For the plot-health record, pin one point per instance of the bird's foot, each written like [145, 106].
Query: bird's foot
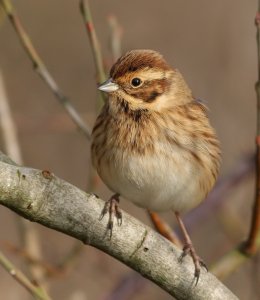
[189, 249]
[112, 208]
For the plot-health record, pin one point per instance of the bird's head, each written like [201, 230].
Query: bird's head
[144, 80]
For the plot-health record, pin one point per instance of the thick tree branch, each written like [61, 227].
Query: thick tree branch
[42, 197]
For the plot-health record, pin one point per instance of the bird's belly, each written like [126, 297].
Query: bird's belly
[154, 182]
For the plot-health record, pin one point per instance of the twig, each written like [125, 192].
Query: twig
[42, 197]
[250, 246]
[36, 291]
[59, 269]
[42, 70]
[49, 269]
[115, 37]
[100, 72]
[87, 17]
[8, 127]
[28, 236]
[28, 232]
[232, 261]
[94, 43]
[236, 257]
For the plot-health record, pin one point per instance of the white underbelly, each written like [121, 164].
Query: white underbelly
[155, 183]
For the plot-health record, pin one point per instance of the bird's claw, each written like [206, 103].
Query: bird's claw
[112, 207]
[198, 262]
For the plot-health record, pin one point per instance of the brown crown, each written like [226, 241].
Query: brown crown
[137, 60]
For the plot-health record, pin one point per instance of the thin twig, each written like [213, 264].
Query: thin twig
[232, 260]
[250, 246]
[100, 72]
[41, 68]
[36, 291]
[95, 46]
[115, 37]
[49, 269]
[29, 238]
[228, 263]
[8, 127]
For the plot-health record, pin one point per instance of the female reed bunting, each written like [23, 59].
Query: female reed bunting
[152, 142]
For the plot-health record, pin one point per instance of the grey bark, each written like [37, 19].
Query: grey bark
[46, 199]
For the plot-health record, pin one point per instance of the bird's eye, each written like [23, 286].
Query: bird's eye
[136, 82]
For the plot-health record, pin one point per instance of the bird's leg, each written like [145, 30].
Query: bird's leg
[189, 249]
[112, 207]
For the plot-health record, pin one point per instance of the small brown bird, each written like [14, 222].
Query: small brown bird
[152, 142]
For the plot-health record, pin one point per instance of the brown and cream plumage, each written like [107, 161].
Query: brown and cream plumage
[152, 142]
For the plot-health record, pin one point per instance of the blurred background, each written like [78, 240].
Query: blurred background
[213, 44]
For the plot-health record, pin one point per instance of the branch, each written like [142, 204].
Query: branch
[95, 46]
[41, 68]
[42, 197]
[29, 238]
[37, 292]
[115, 37]
[231, 261]
[251, 244]
[7, 125]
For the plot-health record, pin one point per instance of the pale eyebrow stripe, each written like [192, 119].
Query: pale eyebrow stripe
[150, 74]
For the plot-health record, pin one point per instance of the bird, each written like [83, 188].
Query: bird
[152, 142]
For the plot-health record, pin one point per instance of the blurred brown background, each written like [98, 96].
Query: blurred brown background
[211, 42]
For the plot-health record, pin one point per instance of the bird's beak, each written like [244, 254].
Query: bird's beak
[108, 86]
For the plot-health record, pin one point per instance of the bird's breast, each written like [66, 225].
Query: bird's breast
[147, 166]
